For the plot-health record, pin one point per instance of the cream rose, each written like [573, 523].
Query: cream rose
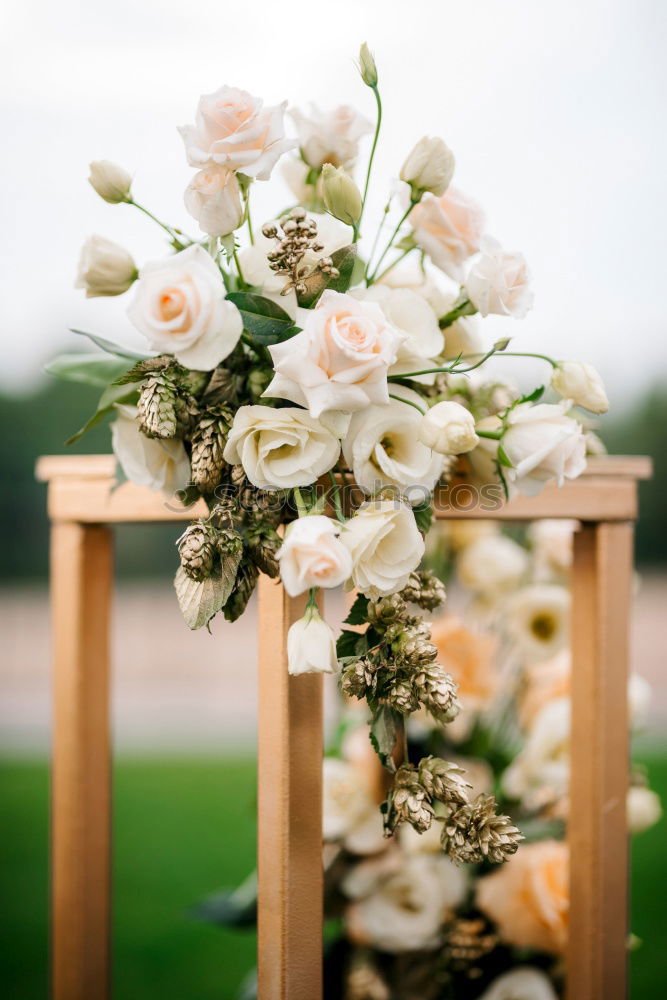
[551, 541]
[428, 167]
[179, 305]
[382, 447]
[581, 383]
[413, 318]
[233, 129]
[311, 645]
[543, 443]
[537, 618]
[341, 358]
[448, 429]
[161, 465]
[385, 544]
[213, 198]
[105, 268]
[492, 564]
[330, 136]
[349, 814]
[528, 898]
[280, 448]
[525, 983]
[449, 229]
[540, 773]
[499, 281]
[312, 555]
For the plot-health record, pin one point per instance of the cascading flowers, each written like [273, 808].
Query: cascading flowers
[313, 390]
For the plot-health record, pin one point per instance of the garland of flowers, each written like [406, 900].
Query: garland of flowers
[299, 377]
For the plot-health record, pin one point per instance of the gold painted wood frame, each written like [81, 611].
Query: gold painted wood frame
[83, 505]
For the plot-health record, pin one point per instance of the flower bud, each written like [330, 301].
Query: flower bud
[213, 198]
[341, 195]
[644, 808]
[311, 646]
[367, 67]
[448, 428]
[105, 268]
[429, 167]
[111, 182]
[581, 383]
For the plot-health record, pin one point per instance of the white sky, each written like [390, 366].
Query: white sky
[555, 112]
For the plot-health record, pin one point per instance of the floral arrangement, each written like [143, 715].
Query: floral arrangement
[315, 389]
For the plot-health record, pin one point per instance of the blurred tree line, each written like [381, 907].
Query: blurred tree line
[38, 423]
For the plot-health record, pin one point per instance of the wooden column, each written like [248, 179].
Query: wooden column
[81, 580]
[601, 586]
[289, 810]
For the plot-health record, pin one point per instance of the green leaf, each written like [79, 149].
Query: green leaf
[90, 369]
[384, 733]
[112, 394]
[423, 516]
[533, 396]
[201, 600]
[358, 611]
[265, 320]
[237, 908]
[351, 643]
[110, 347]
[344, 260]
[503, 457]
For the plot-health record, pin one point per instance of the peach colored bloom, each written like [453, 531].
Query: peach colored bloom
[470, 659]
[543, 682]
[449, 229]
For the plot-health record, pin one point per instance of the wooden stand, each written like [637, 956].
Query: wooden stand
[82, 505]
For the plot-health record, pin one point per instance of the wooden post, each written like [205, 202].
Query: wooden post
[597, 829]
[289, 810]
[81, 580]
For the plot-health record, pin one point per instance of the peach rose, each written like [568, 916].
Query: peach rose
[528, 898]
[330, 136]
[213, 198]
[449, 229]
[499, 281]
[470, 658]
[543, 682]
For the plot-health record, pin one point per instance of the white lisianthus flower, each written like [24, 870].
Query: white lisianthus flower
[448, 428]
[385, 544]
[311, 645]
[161, 465]
[179, 305]
[543, 443]
[499, 281]
[105, 268]
[411, 315]
[449, 229]
[331, 233]
[341, 358]
[233, 129]
[644, 808]
[330, 136]
[492, 564]
[551, 541]
[428, 167]
[280, 448]
[525, 983]
[111, 182]
[312, 555]
[383, 448]
[349, 814]
[341, 195]
[540, 773]
[538, 620]
[213, 198]
[581, 383]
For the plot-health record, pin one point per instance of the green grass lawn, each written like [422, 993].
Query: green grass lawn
[182, 829]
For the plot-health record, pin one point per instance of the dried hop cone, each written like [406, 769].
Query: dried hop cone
[437, 692]
[401, 696]
[443, 780]
[408, 802]
[417, 652]
[467, 942]
[198, 550]
[359, 678]
[476, 832]
[208, 443]
[246, 578]
[264, 543]
[425, 589]
[386, 610]
[157, 405]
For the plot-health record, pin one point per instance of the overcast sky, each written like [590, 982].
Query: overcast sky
[555, 112]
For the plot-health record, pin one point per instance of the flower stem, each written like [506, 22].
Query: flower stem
[378, 123]
[386, 250]
[163, 225]
[394, 263]
[453, 370]
[336, 498]
[376, 239]
[300, 502]
[409, 402]
[492, 435]
[246, 202]
[238, 266]
[464, 308]
[312, 598]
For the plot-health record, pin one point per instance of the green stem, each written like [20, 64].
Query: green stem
[312, 598]
[336, 498]
[378, 233]
[238, 266]
[528, 354]
[386, 250]
[378, 123]
[409, 403]
[246, 202]
[453, 370]
[163, 225]
[300, 502]
[213, 247]
[394, 263]
[492, 435]
[465, 308]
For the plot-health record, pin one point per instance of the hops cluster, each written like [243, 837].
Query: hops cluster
[358, 679]
[436, 690]
[299, 236]
[208, 444]
[467, 941]
[475, 832]
[408, 802]
[202, 546]
[425, 589]
[443, 780]
[156, 407]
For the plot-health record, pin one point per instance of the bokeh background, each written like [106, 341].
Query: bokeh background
[556, 115]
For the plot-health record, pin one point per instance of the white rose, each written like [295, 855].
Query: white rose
[411, 315]
[311, 645]
[213, 198]
[280, 448]
[521, 984]
[111, 182]
[491, 564]
[349, 813]
[449, 229]
[428, 167]
[543, 443]
[581, 383]
[180, 307]
[551, 540]
[330, 136]
[332, 234]
[448, 428]
[341, 358]
[161, 465]
[105, 268]
[538, 620]
[499, 281]
[644, 808]
[234, 130]
[382, 447]
[385, 544]
[312, 555]
[540, 773]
